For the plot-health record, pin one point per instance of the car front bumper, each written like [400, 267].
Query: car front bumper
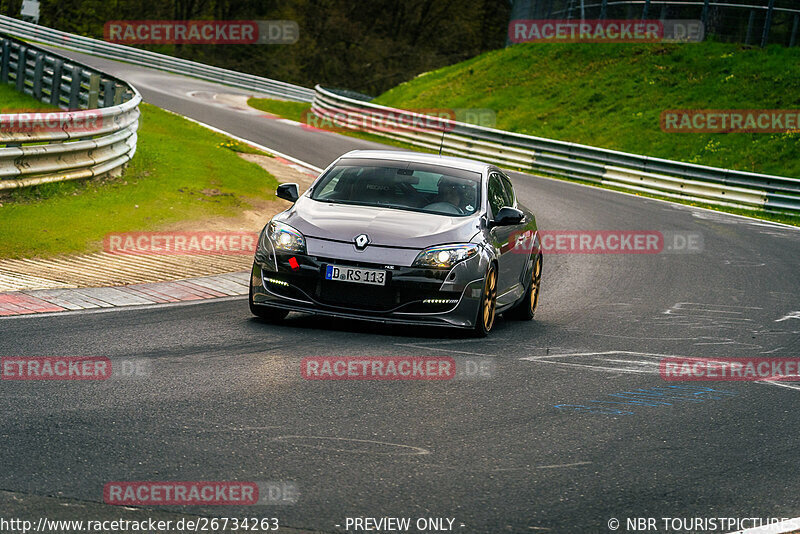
[412, 295]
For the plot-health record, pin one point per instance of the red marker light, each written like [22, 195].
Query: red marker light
[293, 263]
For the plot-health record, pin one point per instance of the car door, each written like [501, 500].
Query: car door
[507, 278]
[517, 261]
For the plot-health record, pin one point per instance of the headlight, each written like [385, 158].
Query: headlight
[445, 256]
[286, 238]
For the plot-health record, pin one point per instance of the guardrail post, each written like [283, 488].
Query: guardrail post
[750, 22]
[22, 63]
[55, 89]
[4, 61]
[75, 88]
[38, 71]
[704, 15]
[793, 38]
[645, 9]
[94, 91]
[767, 23]
[119, 92]
[108, 93]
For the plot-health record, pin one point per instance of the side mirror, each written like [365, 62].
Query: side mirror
[506, 217]
[288, 192]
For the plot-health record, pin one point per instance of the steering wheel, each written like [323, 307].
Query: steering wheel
[445, 207]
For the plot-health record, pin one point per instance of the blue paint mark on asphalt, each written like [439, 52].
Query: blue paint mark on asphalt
[651, 397]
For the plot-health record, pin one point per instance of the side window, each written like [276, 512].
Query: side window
[497, 195]
[512, 199]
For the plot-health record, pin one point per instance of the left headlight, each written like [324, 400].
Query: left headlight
[286, 238]
[445, 256]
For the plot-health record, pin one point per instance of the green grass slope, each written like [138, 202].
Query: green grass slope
[612, 95]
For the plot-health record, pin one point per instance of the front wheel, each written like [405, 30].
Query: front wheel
[486, 312]
[264, 312]
[527, 306]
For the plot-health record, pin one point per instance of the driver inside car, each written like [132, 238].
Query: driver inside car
[450, 192]
[455, 193]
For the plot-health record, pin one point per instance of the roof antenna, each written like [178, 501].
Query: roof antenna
[441, 143]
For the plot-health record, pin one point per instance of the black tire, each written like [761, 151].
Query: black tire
[524, 310]
[264, 312]
[487, 310]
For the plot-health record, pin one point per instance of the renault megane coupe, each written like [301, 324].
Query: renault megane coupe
[401, 237]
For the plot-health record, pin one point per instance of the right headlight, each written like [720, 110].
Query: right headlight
[445, 256]
[285, 238]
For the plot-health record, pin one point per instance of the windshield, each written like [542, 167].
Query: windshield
[400, 185]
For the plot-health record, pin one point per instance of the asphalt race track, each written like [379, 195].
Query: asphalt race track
[508, 450]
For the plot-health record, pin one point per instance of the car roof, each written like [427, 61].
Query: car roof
[417, 157]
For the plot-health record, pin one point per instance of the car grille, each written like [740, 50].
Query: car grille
[364, 297]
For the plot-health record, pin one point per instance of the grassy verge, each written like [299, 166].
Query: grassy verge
[612, 96]
[295, 111]
[181, 172]
[13, 102]
[237, 146]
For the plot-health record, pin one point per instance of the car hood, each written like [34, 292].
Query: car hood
[384, 226]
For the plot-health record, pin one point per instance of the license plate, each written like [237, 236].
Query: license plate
[356, 275]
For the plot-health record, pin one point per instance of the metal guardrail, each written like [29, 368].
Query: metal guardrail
[631, 172]
[153, 60]
[94, 137]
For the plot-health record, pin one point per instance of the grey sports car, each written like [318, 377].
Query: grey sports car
[401, 237]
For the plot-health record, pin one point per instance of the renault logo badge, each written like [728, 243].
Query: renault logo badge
[361, 241]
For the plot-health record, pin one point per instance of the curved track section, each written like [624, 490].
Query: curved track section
[509, 452]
